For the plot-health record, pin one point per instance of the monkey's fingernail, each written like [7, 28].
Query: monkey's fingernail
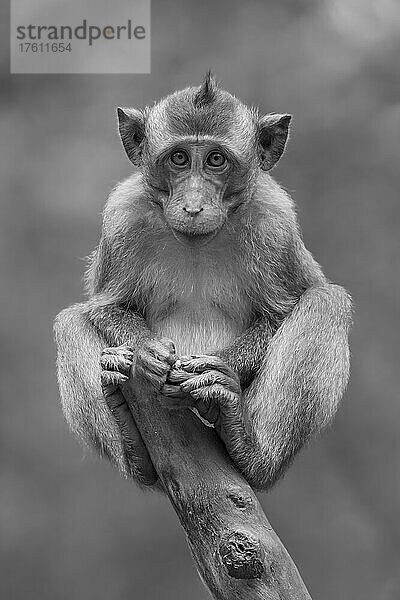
[169, 343]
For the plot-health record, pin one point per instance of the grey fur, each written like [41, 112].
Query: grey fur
[254, 285]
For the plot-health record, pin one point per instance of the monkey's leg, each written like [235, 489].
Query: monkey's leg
[79, 374]
[295, 393]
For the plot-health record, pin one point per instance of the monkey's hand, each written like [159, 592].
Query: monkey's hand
[154, 361]
[208, 384]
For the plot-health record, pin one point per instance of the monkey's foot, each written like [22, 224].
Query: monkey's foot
[154, 361]
[214, 388]
[115, 365]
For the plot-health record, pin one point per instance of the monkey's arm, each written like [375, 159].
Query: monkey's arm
[302, 376]
[116, 324]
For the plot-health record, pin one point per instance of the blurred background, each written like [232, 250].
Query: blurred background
[71, 528]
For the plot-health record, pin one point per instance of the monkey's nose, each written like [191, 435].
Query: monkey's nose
[192, 211]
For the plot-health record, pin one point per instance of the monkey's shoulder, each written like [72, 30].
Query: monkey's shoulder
[271, 204]
[126, 195]
[128, 206]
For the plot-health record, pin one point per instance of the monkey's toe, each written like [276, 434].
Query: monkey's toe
[203, 363]
[172, 396]
[136, 454]
[117, 359]
[215, 402]
[111, 380]
[125, 351]
[209, 378]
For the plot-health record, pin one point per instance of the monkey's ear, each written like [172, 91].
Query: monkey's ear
[273, 132]
[131, 125]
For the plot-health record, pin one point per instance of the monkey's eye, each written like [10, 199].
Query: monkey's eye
[216, 160]
[179, 158]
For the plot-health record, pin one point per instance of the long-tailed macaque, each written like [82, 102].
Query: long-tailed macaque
[201, 266]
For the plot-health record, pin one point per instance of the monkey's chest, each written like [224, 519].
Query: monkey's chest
[197, 301]
[197, 326]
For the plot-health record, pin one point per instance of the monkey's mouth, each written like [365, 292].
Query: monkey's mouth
[194, 237]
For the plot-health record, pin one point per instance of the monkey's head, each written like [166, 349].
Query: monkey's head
[201, 151]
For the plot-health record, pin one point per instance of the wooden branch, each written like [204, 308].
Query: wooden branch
[237, 553]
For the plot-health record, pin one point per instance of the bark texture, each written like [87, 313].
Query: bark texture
[236, 551]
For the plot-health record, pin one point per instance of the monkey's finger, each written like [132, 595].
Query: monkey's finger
[199, 364]
[209, 378]
[178, 375]
[135, 450]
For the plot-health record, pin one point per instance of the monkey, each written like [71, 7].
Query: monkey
[201, 269]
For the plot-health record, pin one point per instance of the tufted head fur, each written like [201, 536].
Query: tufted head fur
[202, 112]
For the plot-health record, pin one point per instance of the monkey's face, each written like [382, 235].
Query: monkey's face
[200, 151]
[201, 180]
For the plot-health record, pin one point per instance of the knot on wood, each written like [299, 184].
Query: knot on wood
[239, 499]
[242, 556]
